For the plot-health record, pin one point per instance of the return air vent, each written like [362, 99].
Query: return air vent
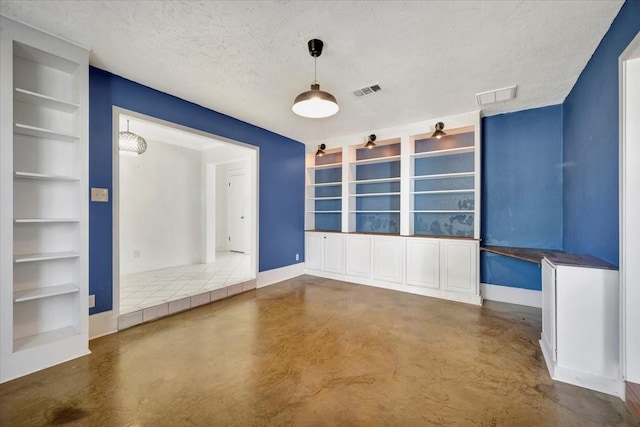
[497, 95]
[368, 90]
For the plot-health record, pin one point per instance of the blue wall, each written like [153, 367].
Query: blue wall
[521, 191]
[281, 191]
[591, 145]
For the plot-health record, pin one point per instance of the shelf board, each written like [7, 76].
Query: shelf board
[442, 211]
[471, 190]
[44, 58]
[41, 100]
[447, 152]
[376, 160]
[324, 198]
[43, 338]
[327, 166]
[375, 181]
[324, 212]
[390, 211]
[325, 184]
[43, 177]
[46, 292]
[44, 220]
[396, 193]
[43, 133]
[444, 175]
[45, 256]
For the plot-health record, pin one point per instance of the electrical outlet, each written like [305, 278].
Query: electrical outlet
[297, 257]
[92, 301]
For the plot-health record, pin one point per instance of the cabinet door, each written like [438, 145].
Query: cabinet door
[388, 258]
[333, 253]
[549, 307]
[358, 256]
[459, 266]
[423, 263]
[313, 251]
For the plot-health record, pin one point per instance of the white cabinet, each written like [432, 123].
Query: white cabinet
[358, 251]
[388, 258]
[44, 201]
[459, 272]
[324, 252]
[579, 337]
[423, 263]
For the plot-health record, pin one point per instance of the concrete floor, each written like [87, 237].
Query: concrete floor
[311, 351]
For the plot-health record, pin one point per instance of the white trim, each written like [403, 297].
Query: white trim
[511, 295]
[102, 324]
[269, 277]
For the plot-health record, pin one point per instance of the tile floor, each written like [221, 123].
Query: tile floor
[150, 288]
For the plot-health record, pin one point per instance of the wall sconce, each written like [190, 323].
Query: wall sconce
[370, 144]
[320, 151]
[439, 133]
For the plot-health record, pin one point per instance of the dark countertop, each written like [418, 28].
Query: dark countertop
[393, 235]
[555, 256]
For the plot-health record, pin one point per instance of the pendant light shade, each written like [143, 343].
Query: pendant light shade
[315, 103]
[131, 143]
[439, 133]
[370, 144]
[320, 151]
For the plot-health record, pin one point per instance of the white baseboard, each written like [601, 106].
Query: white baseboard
[101, 324]
[269, 277]
[511, 295]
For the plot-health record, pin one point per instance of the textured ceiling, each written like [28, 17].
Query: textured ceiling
[249, 59]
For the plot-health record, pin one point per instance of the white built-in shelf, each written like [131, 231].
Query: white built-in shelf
[327, 166]
[44, 220]
[324, 212]
[44, 256]
[325, 184]
[43, 133]
[46, 292]
[396, 193]
[443, 211]
[376, 211]
[41, 100]
[375, 181]
[45, 58]
[445, 175]
[447, 152]
[471, 190]
[324, 198]
[376, 160]
[43, 177]
[43, 338]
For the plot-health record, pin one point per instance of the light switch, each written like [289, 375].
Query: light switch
[99, 194]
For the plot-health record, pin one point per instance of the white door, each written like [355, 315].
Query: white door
[459, 264]
[313, 251]
[423, 262]
[333, 253]
[236, 200]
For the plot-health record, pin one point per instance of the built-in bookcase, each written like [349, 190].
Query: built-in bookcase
[43, 177]
[324, 192]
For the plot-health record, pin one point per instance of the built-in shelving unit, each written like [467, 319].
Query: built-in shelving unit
[44, 201]
[324, 191]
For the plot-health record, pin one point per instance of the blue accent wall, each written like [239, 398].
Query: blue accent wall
[590, 125]
[521, 191]
[281, 171]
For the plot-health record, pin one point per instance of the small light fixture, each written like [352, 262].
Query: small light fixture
[320, 151]
[130, 143]
[315, 103]
[370, 144]
[439, 133]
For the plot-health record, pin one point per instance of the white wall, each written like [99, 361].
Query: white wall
[160, 208]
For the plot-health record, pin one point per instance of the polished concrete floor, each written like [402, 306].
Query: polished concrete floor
[311, 351]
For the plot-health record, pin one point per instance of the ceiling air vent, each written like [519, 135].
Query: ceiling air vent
[368, 90]
[497, 95]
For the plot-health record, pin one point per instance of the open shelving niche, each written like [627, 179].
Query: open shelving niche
[45, 201]
[323, 205]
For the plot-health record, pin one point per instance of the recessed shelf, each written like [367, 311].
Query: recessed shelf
[41, 100]
[44, 256]
[324, 212]
[374, 181]
[44, 58]
[471, 190]
[388, 211]
[444, 175]
[388, 159]
[44, 220]
[324, 198]
[396, 193]
[443, 211]
[43, 177]
[447, 152]
[43, 338]
[327, 166]
[325, 184]
[46, 292]
[43, 133]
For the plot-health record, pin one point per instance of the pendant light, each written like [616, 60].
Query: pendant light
[439, 133]
[370, 144]
[131, 143]
[315, 103]
[320, 151]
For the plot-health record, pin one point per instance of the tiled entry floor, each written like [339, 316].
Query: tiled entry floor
[150, 288]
